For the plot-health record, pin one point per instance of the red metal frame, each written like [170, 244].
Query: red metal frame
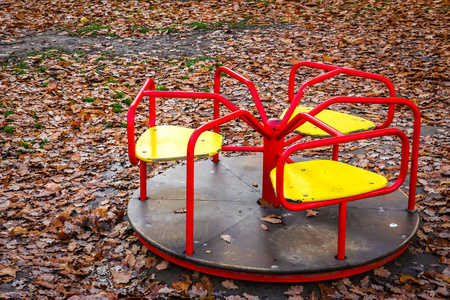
[339, 139]
[274, 132]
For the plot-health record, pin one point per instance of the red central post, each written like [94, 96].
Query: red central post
[273, 149]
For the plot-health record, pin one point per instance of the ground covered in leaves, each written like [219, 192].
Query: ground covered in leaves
[64, 175]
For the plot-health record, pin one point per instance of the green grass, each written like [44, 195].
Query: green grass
[140, 28]
[43, 142]
[45, 84]
[8, 113]
[8, 129]
[117, 108]
[123, 125]
[166, 29]
[127, 101]
[111, 80]
[88, 99]
[24, 145]
[161, 88]
[38, 126]
[41, 69]
[21, 65]
[92, 29]
[109, 125]
[119, 95]
[184, 77]
[49, 53]
[199, 25]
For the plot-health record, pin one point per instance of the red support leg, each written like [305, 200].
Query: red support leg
[143, 179]
[273, 149]
[335, 156]
[341, 230]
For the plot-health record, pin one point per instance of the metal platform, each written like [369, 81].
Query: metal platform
[298, 249]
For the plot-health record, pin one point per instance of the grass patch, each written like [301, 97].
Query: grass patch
[21, 65]
[109, 125]
[166, 30]
[127, 101]
[161, 88]
[8, 113]
[123, 125]
[92, 29]
[41, 69]
[199, 25]
[184, 77]
[38, 126]
[141, 29]
[119, 95]
[89, 99]
[50, 53]
[117, 108]
[43, 143]
[8, 129]
[24, 145]
[111, 80]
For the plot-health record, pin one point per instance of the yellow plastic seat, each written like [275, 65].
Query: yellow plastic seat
[342, 122]
[321, 180]
[163, 143]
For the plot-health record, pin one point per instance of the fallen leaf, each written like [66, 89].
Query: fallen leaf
[311, 213]
[120, 278]
[162, 265]
[264, 227]
[181, 285]
[381, 271]
[8, 271]
[226, 238]
[294, 290]
[180, 211]
[274, 219]
[229, 284]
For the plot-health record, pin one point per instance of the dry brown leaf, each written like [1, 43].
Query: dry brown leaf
[180, 210]
[226, 238]
[162, 265]
[294, 290]
[229, 284]
[264, 227]
[120, 278]
[274, 219]
[381, 271]
[8, 271]
[181, 285]
[311, 213]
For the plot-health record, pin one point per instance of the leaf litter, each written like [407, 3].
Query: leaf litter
[64, 176]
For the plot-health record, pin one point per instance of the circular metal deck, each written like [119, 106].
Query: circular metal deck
[298, 249]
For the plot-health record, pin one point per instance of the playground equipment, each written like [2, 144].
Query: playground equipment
[363, 221]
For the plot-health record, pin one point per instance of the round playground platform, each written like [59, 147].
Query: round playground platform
[229, 240]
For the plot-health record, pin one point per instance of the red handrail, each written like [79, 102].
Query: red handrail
[190, 172]
[248, 83]
[331, 69]
[339, 140]
[149, 84]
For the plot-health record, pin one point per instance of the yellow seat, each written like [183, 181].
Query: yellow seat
[342, 122]
[321, 180]
[163, 143]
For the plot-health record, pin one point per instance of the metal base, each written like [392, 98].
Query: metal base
[298, 249]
